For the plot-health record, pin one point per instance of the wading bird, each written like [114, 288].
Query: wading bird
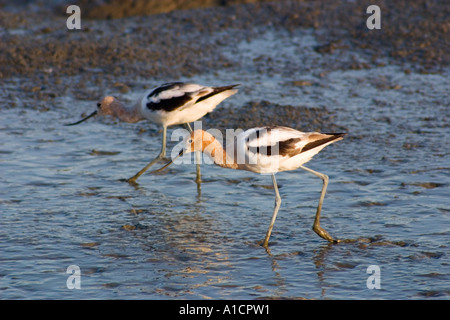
[169, 104]
[266, 150]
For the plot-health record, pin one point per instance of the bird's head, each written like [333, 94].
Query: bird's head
[105, 107]
[197, 140]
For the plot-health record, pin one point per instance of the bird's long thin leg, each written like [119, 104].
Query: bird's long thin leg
[316, 226]
[161, 155]
[275, 211]
[197, 158]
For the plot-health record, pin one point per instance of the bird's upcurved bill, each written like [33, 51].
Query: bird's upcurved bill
[82, 120]
[168, 164]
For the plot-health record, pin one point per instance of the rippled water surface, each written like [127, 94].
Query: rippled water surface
[63, 201]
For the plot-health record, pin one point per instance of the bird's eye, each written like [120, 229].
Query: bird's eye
[99, 105]
[190, 141]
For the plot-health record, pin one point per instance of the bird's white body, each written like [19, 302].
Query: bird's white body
[262, 150]
[190, 108]
[275, 149]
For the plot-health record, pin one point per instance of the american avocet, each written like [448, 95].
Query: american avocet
[169, 104]
[266, 150]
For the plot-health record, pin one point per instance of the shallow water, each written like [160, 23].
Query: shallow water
[63, 201]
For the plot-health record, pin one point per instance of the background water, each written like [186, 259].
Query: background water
[63, 201]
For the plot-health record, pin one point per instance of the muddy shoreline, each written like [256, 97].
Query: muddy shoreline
[119, 45]
[37, 39]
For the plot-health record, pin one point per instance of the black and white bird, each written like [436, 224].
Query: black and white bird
[169, 104]
[266, 150]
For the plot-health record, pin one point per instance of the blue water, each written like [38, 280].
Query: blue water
[63, 201]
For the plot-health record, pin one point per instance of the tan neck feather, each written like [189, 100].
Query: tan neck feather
[220, 157]
[130, 115]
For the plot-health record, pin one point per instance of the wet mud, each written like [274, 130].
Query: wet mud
[151, 41]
